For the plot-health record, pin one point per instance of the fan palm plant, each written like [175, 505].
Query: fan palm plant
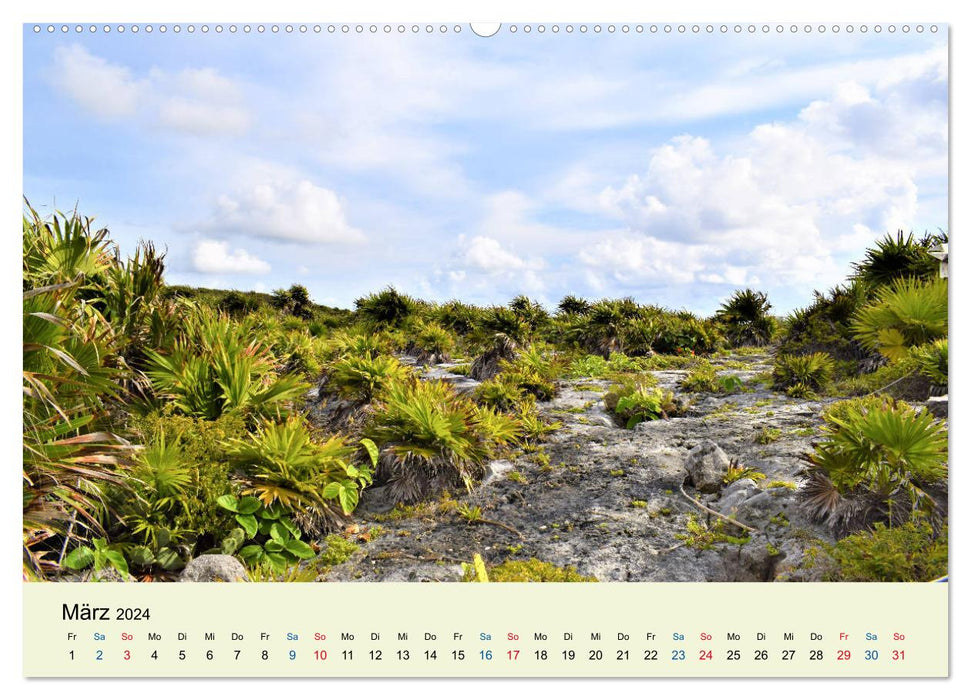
[318, 482]
[906, 314]
[64, 249]
[131, 300]
[897, 257]
[878, 458]
[385, 309]
[215, 368]
[68, 378]
[361, 378]
[931, 360]
[813, 371]
[573, 306]
[431, 438]
[745, 318]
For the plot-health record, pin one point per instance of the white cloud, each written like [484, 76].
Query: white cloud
[215, 257]
[487, 255]
[904, 115]
[483, 266]
[106, 90]
[783, 205]
[289, 210]
[196, 101]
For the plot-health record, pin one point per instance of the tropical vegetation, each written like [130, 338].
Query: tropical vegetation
[162, 422]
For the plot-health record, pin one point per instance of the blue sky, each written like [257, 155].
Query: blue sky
[671, 168]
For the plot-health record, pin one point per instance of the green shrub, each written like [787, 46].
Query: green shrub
[588, 366]
[160, 482]
[683, 335]
[497, 429]
[429, 343]
[534, 570]
[361, 377]
[214, 367]
[191, 518]
[801, 391]
[432, 439]
[500, 321]
[385, 309]
[457, 317]
[237, 305]
[898, 257]
[701, 378]
[533, 370]
[364, 345]
[294, 301]
[603, 328]
[532, 313]
[297, 352]
[71, 356]
[906, 314]
[317, 482]
[534, 428]
[907, 552]
[825, 326]
[814, 371]
[501, 392]
[745, 318]
[931, 361]
[634, 402]
[842, 411]
[571, 305]
[877, 460]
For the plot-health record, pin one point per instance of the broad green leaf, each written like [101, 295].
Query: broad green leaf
[249, 524]
[372, 451]
[228, 502]
[80, 558]
[233, 541]
[300, 549]
[272, 511]
[117, 560]
[168, 559]
[289, 525]
[248, 505]
[348, 499]
[273, 546]
[277, 560]
[331, 490]
[251, 553]
[279, 533]
[141, 556]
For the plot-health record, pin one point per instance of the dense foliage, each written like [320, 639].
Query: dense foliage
[163, 422]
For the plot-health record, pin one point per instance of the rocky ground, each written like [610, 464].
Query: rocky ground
[616, 504]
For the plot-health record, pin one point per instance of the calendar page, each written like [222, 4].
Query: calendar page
[460, 349]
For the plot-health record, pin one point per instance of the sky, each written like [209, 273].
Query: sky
[673, 168]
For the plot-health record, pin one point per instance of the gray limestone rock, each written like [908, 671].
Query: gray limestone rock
[213, 567]
[707, 465]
